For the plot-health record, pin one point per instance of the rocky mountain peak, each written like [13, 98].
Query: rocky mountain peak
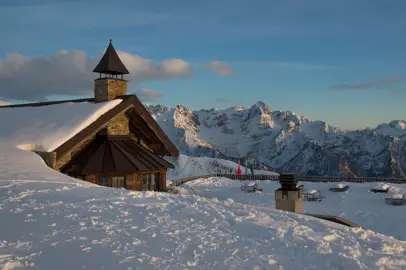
[286, 141]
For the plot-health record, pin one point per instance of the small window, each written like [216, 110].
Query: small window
[150, 182]
[112, 181]
[145, 182]
[118, 181]
[103, 181]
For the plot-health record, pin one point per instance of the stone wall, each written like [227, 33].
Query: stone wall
[108, 89]
[49, 158]
[119, 125]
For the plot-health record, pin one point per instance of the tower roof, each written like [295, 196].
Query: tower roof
[111, 63]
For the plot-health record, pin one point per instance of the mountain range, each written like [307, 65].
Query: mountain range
[285, 142]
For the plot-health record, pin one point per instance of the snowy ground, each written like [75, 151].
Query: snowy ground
[50, 221]
[356, 204]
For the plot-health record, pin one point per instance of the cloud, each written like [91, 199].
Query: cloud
[148, 94]
[301, 66]
[351, 86]
[391, 79]
[225, 100]
[399, 91]
[219, 68]
[383, 82]
[70, 73]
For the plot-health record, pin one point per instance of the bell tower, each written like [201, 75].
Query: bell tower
[109, 85]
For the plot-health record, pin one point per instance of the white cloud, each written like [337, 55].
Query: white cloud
[301, 66]
[225, 100]
[220, 68]
[70, 73]
[148, 94]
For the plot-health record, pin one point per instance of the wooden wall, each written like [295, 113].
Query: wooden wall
[134, 180]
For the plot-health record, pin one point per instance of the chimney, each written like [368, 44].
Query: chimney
[288, 197]
[110, 84]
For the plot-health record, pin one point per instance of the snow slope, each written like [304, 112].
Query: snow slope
[286, 142]
[50, 221]
[187, 166]
[45, 128]
[357, 204]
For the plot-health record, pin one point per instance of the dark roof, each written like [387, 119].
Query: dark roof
[114, 155]
[46, 103]
[111, 63]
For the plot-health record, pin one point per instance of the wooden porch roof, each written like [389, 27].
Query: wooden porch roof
[114, 155]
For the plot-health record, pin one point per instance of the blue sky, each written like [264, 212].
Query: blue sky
[338, 61]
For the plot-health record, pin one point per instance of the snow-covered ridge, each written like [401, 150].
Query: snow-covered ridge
[286, 141]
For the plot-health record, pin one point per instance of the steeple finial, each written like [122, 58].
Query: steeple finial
[111, 63]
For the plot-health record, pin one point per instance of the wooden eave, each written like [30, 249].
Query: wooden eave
[129, 102]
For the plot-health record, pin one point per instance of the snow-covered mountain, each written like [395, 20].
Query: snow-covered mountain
[285, 141]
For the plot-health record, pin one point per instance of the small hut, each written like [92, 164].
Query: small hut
[395, 199]
[341, 187]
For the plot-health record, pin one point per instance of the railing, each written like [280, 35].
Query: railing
[317, 179]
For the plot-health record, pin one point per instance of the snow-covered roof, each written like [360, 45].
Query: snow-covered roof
[396, 196]
[342, 185]
[45, 128]
[382, 186]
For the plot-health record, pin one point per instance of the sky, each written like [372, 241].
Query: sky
[343, 62]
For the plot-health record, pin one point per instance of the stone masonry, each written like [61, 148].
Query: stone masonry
[49, 158]
[119, 125]
[108, 89]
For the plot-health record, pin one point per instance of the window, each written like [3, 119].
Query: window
[150, 182]
[118, 182]
[103, 181]
[112, 181]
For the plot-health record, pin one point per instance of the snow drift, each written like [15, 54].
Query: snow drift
[50, 221]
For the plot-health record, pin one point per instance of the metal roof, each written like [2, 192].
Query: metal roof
[111, 63]
[114, 155]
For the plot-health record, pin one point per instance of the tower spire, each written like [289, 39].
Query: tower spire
[111, 63]
[110, 87]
